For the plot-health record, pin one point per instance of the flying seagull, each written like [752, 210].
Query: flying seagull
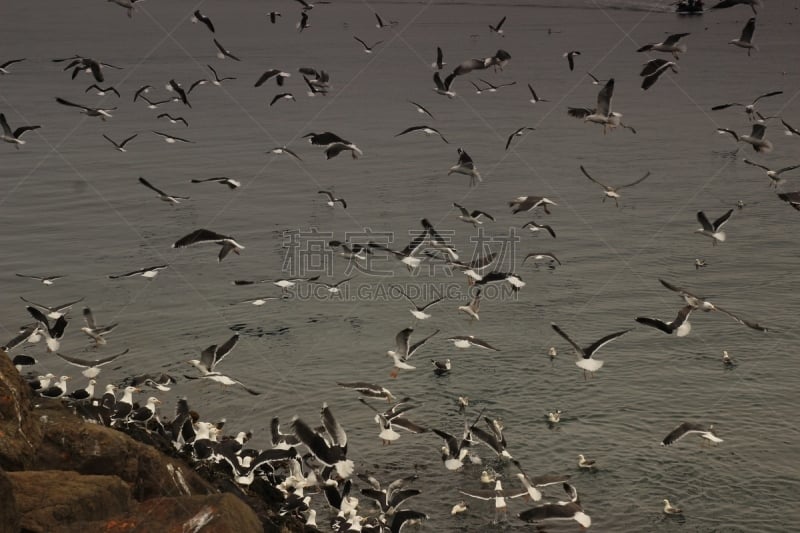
[518, 133]
[230, 183]
[172, 200]
[405, 350]
[698, 302]
[172, 119]
[571, 58]
[46, 280]
[586, 362]
[773, 175]
[534, 98]
[103, 113]
[102, 91]
[223, 52]
[172, 139]
[95, 332]
[444, 87]
[147, 272]
[654, 69]
[792, 198]
[282, 96]
[472, 217]
[367, 48]
[746, 39]
[498, 28]
[201, 236]
[755, 139]
[120, 146]
[427, 130]
[713, 230]
[13, 137]
[611, 192]
[601, 114]
[687, 428]
[174, 86]
[284, 150]
[467, 167]
[199, 17]
[439, 63]
[4, 66]
[332, 199]
[383, 25]
[421, 109]
[730, 3]
[670, 45]
[680, 325]
[528, 203]
[535, 226]
[278, 74]
[748, 108]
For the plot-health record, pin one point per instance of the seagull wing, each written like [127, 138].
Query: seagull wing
[674, 38]
[66, 102]
[747, 31]
[401, 342]
[603, 185]
[763, 167]
[681, 431]
[733, 133]
[150, 186]
[89, 318]
[223, 350]
[561, 332]
[701, 217]
[635, 182]
[773, 93]
[362, 42]
[87, 363]
[595, 346]
[722, 220]
[655, 323]
[604, 97]
[198, 236]
[417, 345]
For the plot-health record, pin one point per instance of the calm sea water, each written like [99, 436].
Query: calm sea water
[71, 206]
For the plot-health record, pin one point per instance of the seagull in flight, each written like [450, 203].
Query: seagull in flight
[601, 114]
[746, 38]
[199, 17]
[223, 52]
[670, 45]
[571, 58]
[421, 109]
[201, 236]
[103, 113]
[427, 130]
[405, 350]
[518, 133]
[755, 139]
[472, 217]
[102, 91]
[773, 175]
[730, 3]
[680, 325]
[278, 74]
[332, 199]
[172, 139]
[698, 302]
[172, 200]
[611, 192]
[653, 70]
[467, 167]
[439, 63]
[498, 28]
[367, 48]
[444, 88]
[4, 66]
[748, 108]
[173, 120]
[13, 137]
[534, 98]
[230, 183]
[713, 230]
[383, 25]
[46, 280]
[586, 362]
[120, 146]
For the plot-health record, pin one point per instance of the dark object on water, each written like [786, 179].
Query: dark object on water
[689, 7]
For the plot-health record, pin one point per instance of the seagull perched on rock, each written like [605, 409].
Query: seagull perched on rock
[201, 236]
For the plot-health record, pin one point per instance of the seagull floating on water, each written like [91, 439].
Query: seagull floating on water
[199, 17]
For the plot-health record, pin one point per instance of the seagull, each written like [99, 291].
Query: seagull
[671, 509]
[283, 150]
[686, 428]
[465, 341]
[369, 390]
[473, 307]
[283, 283]
[534, 98]
[517, 133]
[390, 418]
[101, 91]
[773, 175]
[405, 350]
[351, 251]
[172, 139]
[427, 130]
[498, 494]
[713, 230]
[273, 16]
[583, 462]
[334, 149]
[383, 25]
[538, 256]
[278, 74]
[460, 507]
[439, 63]
[789, 129]
[141, 90]
[595, 80]
[223, 53]
[57, 390]
[13, 137]
[532, 484]
[46, 280]
[56, 311]
[4, 66]
[467, 167]
[30, 333]
[103, 113]
[201, 236]
[213, 355]
[230, 183]
[670, 44]
[746, 39]
[303, 24]
[534, 227]
[602, 114]
[52, 335]
[756, 138]
[172, 200]
[419, 311]
[498, 277]
[699, 263]
[217, 80]
[570, 510]
[91, 367]
[611, 192]
[680, 326]
[86, 393]
[421, 109]
[152, 105]
[174, 86]
[748, 108]
[331, 451]
[367, 48]
[199, 17]
[147, 272]
[490, 87]
[333, 288]
[130, 5]
[472, 217]
[654, 69]
[406, 255]
[571, 58]
[704, 305]
[444, 88]
[332, 199]
[441, 368]
[95, 332]
[792, 198]
[730, 3]
[119, 146]
[528, 203]
[498, 29]
[587, 362]
[282, 96]
[727, 360]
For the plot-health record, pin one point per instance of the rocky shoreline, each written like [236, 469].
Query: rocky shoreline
[59, 473]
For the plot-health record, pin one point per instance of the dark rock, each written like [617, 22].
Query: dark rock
[15, 421]
[9, 514]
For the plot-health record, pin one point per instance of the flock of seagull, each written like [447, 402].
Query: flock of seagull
[313, 459]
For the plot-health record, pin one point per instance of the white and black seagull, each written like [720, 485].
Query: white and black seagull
[569, 510]
[46, 280]
[498, 28]
[713, 230]
[654, 69]
[687, 428]
[750, 108]
[669, 45]
[472, 217]
[517, 133]
[170, 199]
[611, 192]
[405, 350]
[13, 137]
[587, 362]
[419, 311]
[120, 146]
[201, 236]
[6, 64]
[773, 175]
[223, 52]
[222, 180]
[534, 97]
[444, 87]
[680, 325]
[199, 17]
[602, 114]
[745, 40]
[466, 166]
[521, 204]
[367, 48]
[103, 113]
[427, 130]
[52, 334]
[91, 367]
[330, 449]
[698, 302]
[172, 139]
[147, 272]
[332, 200]
[755, 139]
